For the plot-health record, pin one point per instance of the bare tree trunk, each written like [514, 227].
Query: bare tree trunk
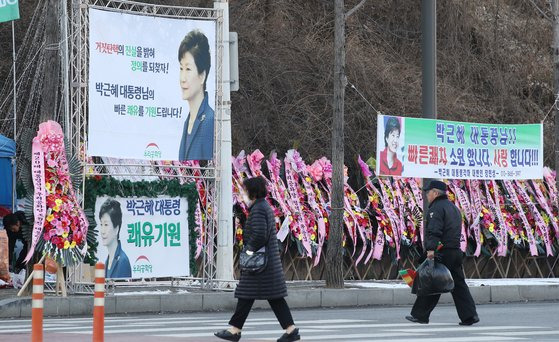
[52, 54]
[334, 257]
[555, 8]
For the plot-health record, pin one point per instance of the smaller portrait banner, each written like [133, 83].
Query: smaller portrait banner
[142, 237]
[430, 148]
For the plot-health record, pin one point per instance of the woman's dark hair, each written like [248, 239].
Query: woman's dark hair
[392, 124]
[255, 187]
[196, 43]
[112, 208]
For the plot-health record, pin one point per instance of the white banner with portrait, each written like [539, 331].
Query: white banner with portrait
[152, 86]
[142, 237]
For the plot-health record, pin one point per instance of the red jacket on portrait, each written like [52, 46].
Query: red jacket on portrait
[395, 170]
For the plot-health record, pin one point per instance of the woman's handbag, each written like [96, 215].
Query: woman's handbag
[257, 261]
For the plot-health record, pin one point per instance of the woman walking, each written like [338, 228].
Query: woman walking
[269, 284]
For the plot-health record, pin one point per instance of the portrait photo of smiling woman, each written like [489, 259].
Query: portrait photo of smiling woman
[390, 165]
[198, 132]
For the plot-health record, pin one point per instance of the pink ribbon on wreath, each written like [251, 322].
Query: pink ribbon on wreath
[411, 203]
[277, 187]
[401, 206]
[198, 229]
[394, 220]
[545, 205]
[379, 239]
[321, 231]
[463, 236]
[474, 192]
[296, 207]
[494, 205]
[502, 249]
[549, 177]
[537, 217]
[40, 202]
[358, 228]
[516, 201]
[416, 191]
[254, 161]
[298, 165]
[369, 186]
[463, 200]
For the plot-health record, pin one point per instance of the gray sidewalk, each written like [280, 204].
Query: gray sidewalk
[301, 295]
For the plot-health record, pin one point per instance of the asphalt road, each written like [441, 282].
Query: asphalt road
[503, 322]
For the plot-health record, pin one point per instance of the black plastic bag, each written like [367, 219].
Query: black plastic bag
[432, 278]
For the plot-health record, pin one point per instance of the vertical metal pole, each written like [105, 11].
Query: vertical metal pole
[15, 117]
[429, 56]
[65, 72]
[429, 61]
[224, 268]
[555, 9]
[14, 66]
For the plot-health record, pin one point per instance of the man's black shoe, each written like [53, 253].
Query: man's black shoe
[470, 321]
[294, 336]
[227, 335]
[416, 320]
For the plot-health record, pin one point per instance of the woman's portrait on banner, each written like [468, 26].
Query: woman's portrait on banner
[390, 163]
[117, 264]
[198, 132]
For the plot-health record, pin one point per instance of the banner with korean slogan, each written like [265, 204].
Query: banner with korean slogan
[152, 87]
[9, 10]
[142, 237]
[430, 148]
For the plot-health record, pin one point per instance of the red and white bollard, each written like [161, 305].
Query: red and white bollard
[37, 304]
[99, 304]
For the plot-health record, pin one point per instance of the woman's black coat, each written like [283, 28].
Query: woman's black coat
[270, 283]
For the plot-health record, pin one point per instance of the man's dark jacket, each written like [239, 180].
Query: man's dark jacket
[444, 224]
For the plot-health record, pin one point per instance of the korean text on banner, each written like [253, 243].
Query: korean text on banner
[152, 87]
[9, 10]
[142, 237]
[428, 148]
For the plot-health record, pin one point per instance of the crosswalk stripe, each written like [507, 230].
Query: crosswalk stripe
[477, 328]
[522, 333]
[276, 333]
[445, 339]
[345, 337]
[209, 329]
[375, 325]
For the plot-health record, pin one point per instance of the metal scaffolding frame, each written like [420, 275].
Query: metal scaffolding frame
[77, 130]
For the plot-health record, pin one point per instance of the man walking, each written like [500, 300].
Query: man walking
[444, 224]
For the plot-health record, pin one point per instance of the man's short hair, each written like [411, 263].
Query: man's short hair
[10, 220]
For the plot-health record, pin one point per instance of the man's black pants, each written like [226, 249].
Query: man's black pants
[465, 306]
[279, 306]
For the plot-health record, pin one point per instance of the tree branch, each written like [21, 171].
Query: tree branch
[351, 11]
[541, 11]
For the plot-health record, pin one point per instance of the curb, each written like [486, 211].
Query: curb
[297, 298]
